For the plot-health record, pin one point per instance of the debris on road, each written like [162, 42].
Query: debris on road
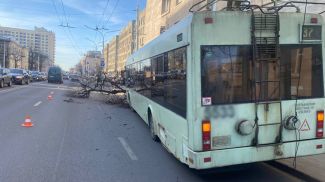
[68, 100]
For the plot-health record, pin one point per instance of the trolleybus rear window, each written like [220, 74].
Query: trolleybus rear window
[228, 77]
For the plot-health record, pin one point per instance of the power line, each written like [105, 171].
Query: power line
[56, 11]
[65, 16]
[100, 20]
[69, 27]
[113, 11]
[104, 11]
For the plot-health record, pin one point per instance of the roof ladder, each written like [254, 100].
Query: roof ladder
[265, 29]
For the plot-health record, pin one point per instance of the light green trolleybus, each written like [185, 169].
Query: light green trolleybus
[233, 87]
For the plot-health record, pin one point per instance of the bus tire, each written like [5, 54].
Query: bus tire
[152, 128]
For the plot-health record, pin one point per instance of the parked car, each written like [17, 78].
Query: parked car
[54, 75]
[43, 76]
[36, 76]
[5, 77]
[20, 76]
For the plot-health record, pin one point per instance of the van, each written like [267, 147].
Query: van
[55, 75]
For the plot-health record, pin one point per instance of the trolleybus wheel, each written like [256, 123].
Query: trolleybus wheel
[152, 129]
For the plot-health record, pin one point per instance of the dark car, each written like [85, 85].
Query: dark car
[20, 76]
[5, 77]
[54, 75]
[36, 76]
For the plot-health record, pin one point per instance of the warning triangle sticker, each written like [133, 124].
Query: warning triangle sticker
[304, 126]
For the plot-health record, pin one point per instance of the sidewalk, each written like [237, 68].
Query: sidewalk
[313, 166]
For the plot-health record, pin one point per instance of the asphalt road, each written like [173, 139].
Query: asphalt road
[88, 140]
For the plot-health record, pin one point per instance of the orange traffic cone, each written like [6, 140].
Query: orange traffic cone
[49, 97]
[28, 122]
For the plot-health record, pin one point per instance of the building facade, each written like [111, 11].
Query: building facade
[113, 55]
[141, 34]
[153, 20]
[161, 15]
[126, 44]
[12, 55]
[39, 40]
[106, 51]
[90, 63]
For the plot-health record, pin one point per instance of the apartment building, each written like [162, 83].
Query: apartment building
[113, 54]
[153, 20]
[141, 34]
[91, 63]
[39, 39]
[126, 44]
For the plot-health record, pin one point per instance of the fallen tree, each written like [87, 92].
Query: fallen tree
[100, 84]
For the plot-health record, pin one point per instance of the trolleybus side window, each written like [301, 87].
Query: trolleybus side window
[169, 80]
[162, 78]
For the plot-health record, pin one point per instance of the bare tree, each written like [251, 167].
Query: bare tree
[101, 83]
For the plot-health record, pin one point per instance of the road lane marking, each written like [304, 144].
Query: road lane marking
[37, 103]
[58, 157]
[127, 149]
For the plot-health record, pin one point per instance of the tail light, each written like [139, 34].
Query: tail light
[206, 135]
[320, 124]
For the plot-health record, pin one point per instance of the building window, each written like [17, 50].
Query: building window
[165, 6]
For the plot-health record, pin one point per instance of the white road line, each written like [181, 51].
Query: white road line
[37, 103]
[58, 157]
[128, 149]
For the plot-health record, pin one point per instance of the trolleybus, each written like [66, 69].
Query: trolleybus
[233, 87]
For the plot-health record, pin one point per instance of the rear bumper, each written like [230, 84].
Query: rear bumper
[17, 80]
[227, 157]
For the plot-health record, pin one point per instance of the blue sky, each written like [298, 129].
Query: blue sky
[71, 43]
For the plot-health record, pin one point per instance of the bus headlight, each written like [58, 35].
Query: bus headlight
[245, 127]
